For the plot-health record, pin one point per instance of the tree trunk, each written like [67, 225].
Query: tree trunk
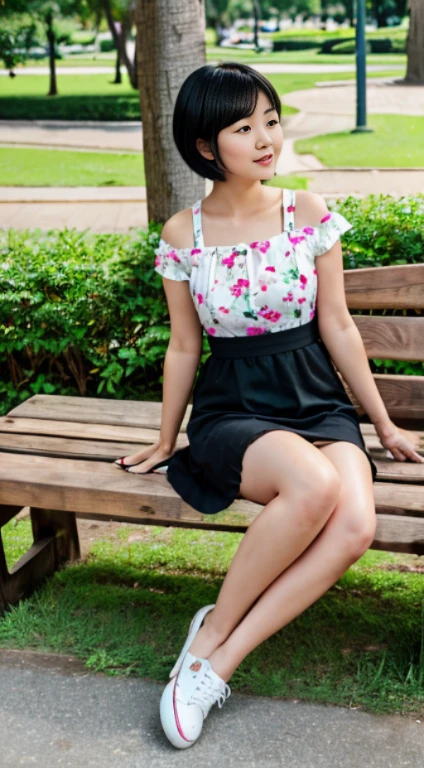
[415, 43]
[52, 53]
[120, 32]
[170, 45]
[118, 78]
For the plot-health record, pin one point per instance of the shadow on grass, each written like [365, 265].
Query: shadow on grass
[127, 609]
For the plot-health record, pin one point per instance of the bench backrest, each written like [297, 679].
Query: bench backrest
[394, 337]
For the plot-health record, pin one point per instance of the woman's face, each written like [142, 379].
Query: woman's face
[249, 139]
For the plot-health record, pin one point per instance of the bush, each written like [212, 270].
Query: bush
[107, 45]
[89, 107]
[86, 314]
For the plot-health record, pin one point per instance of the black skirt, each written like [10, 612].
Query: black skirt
[251, 385]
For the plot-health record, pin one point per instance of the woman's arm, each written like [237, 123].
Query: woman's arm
[181, 359]
[179, 371]
[344, 343]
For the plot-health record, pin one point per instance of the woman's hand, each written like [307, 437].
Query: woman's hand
[147, 458]
[401, 443]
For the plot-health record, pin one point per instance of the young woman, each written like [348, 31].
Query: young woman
[260, 269]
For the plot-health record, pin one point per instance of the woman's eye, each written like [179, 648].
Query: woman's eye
[248, 126]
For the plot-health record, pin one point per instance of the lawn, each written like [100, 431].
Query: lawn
[395, 143]
[68, 168]
[22, 167]
[125, 610]
[95, 97]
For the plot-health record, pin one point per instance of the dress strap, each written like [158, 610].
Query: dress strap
[289, 202]
[197, 224]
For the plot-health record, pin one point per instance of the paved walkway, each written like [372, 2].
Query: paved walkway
[54, 712]
[226, 53]
[118, 209]
[328, 108]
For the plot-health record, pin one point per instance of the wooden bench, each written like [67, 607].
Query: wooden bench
[57, 452]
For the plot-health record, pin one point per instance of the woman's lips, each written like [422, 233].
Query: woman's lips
[265, 160]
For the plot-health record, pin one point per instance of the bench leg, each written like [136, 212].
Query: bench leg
[56, 542]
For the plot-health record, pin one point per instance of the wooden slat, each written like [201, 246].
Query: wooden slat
[84, 410]
[88, 486]
[392, 338]
[100, 450]
[399, 534]
[396, 287]
[82, 431]
[403, 396]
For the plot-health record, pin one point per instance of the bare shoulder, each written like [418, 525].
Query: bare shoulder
[311, 207]
[178, 229]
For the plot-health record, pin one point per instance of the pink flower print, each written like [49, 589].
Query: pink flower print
[289, 297]
[197, 209]
[158, 260]
[312, 314]
[296, 240]
[236, 290]
[300, 301]
[269, 314]
[269, 269]
[303, 280]
[211, 331]
[314, 272]
[216, 281]
[194, 259]
[308, 230]
[287, 253]
[229, 260]
[173, 255]
[195, 251]
[254, 331]
[291, 208]
[200, 298]
[224, 309]
[328, 216]
[262, 245]
[264, 287]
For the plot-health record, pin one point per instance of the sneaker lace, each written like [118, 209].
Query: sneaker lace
[208, 693]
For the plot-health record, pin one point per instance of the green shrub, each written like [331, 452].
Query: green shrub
[78, 107]
[107, 45]
[86, 314]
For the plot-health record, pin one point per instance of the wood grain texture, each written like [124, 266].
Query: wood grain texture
[395, 287]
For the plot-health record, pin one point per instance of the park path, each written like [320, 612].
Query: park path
[328, 108]
[54, 712]
[312, 69]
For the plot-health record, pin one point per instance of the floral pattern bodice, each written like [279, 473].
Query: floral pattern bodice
[253, 288]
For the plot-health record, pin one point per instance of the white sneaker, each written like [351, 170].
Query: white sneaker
[188, 698]
[195, 625]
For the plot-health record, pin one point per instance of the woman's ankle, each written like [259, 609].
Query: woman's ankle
[222, 664]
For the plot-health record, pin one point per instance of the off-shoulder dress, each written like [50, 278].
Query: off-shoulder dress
[268, 369]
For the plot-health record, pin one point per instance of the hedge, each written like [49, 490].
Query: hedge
[86, 314]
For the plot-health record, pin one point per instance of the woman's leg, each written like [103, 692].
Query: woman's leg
[343, 540]
[300, 488]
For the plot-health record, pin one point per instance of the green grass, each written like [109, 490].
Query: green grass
[126, 610]
[22, 167]
[395, 142]
[310, 56]
[95, 97]
[68, 168]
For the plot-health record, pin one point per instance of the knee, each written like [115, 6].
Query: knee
[359, 533]
[319, 494]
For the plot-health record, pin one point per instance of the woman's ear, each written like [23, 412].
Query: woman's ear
[203, 147]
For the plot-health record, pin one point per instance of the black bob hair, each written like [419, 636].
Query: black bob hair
[210, 99]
